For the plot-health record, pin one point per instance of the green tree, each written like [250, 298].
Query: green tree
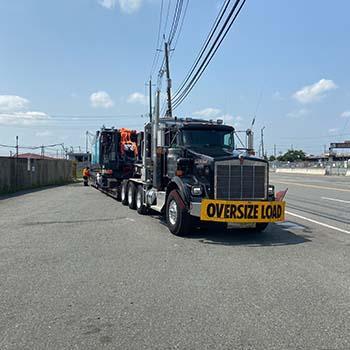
[272, 158]
[292, 156]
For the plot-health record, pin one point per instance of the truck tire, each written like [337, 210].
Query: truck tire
[132, 195]
[124, 193]
[177, 217]
[260, 227]
[140, 207]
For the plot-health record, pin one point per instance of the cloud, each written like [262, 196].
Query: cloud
[12, 103]
[14, 111]
[298, 113]
[23, 118]
[43, 133]
[101, 99]
[208, 112]
[235, 121]
[137, 97]
[108, 4]
[314, 92]
[345, 114]
[333, 130]
[126, 6]
[130, 6]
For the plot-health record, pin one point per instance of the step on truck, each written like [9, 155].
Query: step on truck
[114, 155]
[193, 173]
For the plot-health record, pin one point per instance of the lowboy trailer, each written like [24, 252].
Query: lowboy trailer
[114, 154]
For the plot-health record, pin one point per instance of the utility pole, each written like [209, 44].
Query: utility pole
[16, 177]
[262, 142]
[42, 151]
[17, 147]
[87, 140]
[169, 112]
[150, 99]
[274, 151]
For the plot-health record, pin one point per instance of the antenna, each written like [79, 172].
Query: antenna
[253, 122]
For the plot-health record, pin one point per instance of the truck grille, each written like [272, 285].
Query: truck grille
[234, 181]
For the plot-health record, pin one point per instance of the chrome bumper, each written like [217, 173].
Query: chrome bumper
[195, 209]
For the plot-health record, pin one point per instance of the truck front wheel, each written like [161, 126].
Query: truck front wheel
[177, 217]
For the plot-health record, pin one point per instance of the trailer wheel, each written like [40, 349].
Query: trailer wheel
[177, 216]
[260, 227]
[123, 194]
[132, 195]
[140, 207]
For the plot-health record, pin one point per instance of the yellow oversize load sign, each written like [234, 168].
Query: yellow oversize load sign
[242, 211]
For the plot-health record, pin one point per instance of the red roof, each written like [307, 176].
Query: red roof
[33, 156]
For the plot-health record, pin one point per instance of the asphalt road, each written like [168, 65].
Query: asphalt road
[324, 199]
[80, 271]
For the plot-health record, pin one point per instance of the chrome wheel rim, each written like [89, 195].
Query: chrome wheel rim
[130, 195]
[138, 199]
[123, 192]
[172, 212]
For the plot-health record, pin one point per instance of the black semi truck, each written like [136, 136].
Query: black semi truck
[192, 172]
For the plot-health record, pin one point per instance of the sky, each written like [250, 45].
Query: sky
[70, 66]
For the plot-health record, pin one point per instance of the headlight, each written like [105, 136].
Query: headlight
[196, 190]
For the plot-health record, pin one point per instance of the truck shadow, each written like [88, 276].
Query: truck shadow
[34, 190]
[274, 235]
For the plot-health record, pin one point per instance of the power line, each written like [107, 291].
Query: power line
[72, 117]
[313, 137]
[205, 45]
[174, 32]
[176, 20]
[181, 26]
[167, 18]
[156, 54]
[215, 46]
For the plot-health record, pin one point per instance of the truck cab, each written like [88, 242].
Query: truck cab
[193, 173]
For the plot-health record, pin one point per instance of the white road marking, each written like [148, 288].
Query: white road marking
[318, 223]
[312, 186]
[336, 200]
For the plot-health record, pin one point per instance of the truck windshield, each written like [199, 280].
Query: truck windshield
[208, 138]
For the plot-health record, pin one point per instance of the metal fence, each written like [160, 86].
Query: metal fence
[17, 174]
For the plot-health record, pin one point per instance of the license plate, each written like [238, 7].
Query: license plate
[242, 211]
